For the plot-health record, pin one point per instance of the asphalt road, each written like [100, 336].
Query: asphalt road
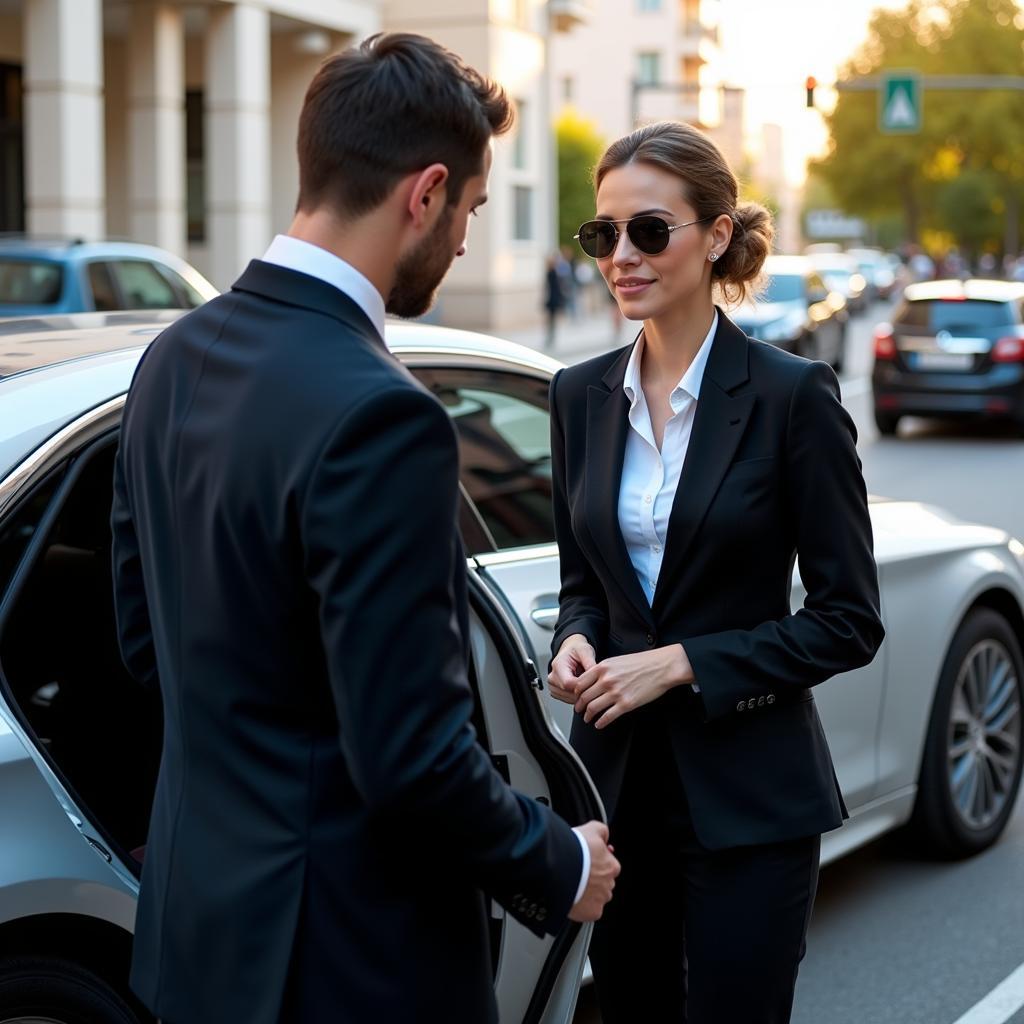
[896, 939]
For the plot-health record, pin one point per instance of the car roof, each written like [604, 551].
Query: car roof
[973, 288]
[66, 250]
[37, 342]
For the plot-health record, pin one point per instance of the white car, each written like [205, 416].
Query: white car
[930, 732]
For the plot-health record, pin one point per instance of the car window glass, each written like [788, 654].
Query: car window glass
[18, 528]
[192, 298]
[959, 316]
[101, 281]
[30, 282]
[784, 288]
[143, 286]
[504, 450]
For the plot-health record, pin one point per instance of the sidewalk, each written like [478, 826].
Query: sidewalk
[576, 340]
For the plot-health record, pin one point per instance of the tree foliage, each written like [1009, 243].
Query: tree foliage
[579, 148]
[963, 173]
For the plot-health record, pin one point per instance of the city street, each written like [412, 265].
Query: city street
[896, 939]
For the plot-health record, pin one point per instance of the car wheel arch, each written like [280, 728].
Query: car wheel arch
[91, 942]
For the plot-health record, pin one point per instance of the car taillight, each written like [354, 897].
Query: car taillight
[885, 343]
[1008, 350]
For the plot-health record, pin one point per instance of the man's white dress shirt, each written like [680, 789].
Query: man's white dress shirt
[295, 254]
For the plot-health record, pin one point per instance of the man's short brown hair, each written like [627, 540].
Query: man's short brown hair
[386, 108]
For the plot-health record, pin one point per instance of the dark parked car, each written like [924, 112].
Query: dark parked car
[797, 311]
[954, 349]
[40, 277]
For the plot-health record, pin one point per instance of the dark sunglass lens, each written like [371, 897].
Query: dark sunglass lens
[597, 238]
[649, 234]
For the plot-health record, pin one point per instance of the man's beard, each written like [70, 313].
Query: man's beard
[420, 272]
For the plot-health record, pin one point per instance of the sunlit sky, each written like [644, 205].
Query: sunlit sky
[769, 48]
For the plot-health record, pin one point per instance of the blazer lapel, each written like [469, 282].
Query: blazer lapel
[718, 425]
[607, 429]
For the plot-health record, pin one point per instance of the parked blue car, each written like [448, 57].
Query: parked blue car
[40, 277]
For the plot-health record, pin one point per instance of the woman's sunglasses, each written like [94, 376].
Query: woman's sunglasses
[650, 235]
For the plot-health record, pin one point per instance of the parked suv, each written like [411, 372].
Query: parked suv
[954, 348]
[39, 277]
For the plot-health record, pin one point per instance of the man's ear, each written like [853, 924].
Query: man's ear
[428, 195]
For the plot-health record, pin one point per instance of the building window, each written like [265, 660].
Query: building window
[519, 140]
[12, 150]
[648, 6]
[195, 165]
[522, 213]
[648, 68]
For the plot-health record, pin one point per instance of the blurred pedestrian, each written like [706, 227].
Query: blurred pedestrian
[554, 299]
[325, 823]
[689, 471]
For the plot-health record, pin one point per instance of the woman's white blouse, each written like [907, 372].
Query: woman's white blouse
[650, 477]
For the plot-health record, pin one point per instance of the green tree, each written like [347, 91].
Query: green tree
[579, 148]
[962, 133]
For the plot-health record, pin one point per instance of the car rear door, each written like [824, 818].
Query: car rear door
[536, 980]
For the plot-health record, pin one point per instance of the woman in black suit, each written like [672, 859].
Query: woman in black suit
[690, 469]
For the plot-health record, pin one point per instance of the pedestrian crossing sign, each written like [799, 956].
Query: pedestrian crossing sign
[899, 107]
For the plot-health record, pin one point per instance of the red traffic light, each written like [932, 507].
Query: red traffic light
[811, 83]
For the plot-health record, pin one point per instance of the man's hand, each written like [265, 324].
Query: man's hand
[574, 657]
[618, 685]
[604, 869]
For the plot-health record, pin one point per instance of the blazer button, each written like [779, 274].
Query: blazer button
[771, 698]
[650, 639]
[541, 915]
[751, 704]
[760, 702]
[741, 706]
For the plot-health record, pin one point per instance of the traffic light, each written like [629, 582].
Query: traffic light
[811, 83]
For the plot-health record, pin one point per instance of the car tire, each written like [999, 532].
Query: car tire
[43, 988]
[887, 423]
[983, 672]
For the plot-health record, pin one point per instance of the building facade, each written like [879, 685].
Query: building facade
[637, 61]
[173, 122]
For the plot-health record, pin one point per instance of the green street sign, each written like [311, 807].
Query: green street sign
[899, 103]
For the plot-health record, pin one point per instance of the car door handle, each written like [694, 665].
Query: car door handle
[545, 611]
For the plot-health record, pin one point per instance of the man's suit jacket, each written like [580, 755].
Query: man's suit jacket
[771, 470]
[287, 569]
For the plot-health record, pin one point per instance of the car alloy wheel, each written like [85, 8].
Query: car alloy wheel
[972, 763]
[983, 746]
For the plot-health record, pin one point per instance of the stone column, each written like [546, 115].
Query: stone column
[156, 125]
[64, 137]
[237, 108]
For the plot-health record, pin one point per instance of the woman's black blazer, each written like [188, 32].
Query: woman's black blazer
[771, 472]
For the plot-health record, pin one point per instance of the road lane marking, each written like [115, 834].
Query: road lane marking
[1000, 1004]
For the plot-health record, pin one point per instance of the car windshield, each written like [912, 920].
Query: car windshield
[784, 288]
[30, 282]
[956, 316]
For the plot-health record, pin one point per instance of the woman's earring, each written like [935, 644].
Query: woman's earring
[712, 256]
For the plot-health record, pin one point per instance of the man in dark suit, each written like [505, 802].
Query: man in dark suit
[287, 569]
